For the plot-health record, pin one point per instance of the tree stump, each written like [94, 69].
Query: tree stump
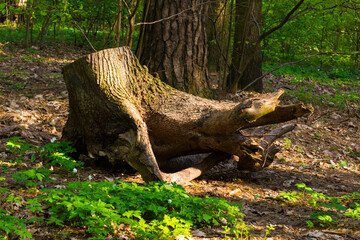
[122, 114]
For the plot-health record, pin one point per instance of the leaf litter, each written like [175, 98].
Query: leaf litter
[321, 152]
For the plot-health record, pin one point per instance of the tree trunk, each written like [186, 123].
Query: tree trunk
[121, 114]
[118, 24]
[29, 18]
[44, 29]
[217, 32]
[173, 43]
[131, 21]
[246, 61]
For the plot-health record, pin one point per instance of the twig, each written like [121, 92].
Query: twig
[347, 235]
[132, 13]
[272, 136]
[3, 44]
[285, 20]
[257, 135]
[127, 6]
[84, 36]
[257, 43]
[172, 16]
[349, 7]
[321, 115]
[311, 8]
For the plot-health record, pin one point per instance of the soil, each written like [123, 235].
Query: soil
[321, 152]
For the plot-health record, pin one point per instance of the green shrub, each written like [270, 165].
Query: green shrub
[154, 211]
[336, 207]
[10, 224]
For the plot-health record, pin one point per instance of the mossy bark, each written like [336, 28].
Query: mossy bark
[121, 113]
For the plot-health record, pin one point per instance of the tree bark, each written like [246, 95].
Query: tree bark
[173, 43]
[246, 60]
[131, 21]
[118, 24]
[217, 32]
[122, 114]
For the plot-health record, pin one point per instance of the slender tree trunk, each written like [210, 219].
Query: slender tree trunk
[29, 19]
[357, 41]
[103, 23]
[118, 24]
[217, 31]
[131, 21]
[19, 18]
[337, 38]
[7, 12]
[246, 59]
[44, 29]
[228, 47]
[173, 43]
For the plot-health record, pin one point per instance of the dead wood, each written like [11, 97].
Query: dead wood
[121, 113]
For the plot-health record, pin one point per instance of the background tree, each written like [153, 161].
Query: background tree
[173, 43]
[217, 34]
[312, 27]
[132, 9]
[246, 58]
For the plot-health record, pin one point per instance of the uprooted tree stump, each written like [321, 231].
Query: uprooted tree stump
[121, 113]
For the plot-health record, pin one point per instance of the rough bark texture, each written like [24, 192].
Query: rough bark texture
[122, 114]
[246, 61]
[174, 43]
[217, 33]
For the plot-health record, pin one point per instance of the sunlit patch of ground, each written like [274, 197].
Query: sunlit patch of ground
[323, 151]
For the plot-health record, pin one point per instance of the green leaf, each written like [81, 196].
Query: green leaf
[310, 224]
[56, 221]
[354, 213]
[207, 218]
[300, 185]
[35, 219]
[337, 206]
[40, 176]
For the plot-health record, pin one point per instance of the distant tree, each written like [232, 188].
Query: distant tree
[246, 61]
[134, 5]
[217, 34]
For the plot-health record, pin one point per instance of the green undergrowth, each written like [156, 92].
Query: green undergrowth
[155, 210]
[12, 225]
[65, 35]
[338, 86]
[152, 211]
[329, 212]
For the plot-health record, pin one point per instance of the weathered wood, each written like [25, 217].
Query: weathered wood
[121, 113]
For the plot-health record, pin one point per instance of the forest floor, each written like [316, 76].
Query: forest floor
[322, 152]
